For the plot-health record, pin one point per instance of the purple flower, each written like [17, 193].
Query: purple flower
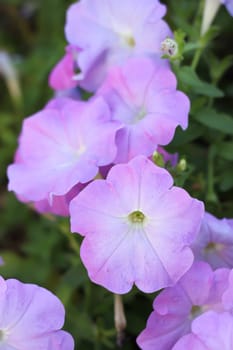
[109, 32]
[58, 148]
[227, 298]
[229, 5]
[210, 331]
[137, 227]
[171, 158]
[62, 98]
[62, 75]
[59, 204]
[31, 318]
[175, 308]
[214, 242]
[142, 95]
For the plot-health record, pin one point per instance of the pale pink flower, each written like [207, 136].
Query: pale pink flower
[108, 32]
[62, 75]
[176, 307]
[31, 318]
[137, 227]
[142, 95]
[210, 331]
[59, 148]
[214, 242]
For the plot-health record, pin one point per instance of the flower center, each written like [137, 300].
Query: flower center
[195, 311]
[3, 335]
[130, 40]
[127, 38]
[214, 246]
[136, 217]
[141, 114]
[81, 150]
[137, 115]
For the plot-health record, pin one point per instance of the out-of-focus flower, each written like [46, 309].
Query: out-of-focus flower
[214, 243]
[108, 34]
[142, 95]
[176, 307]
[137, 227]
[31, 318]
[58, 148]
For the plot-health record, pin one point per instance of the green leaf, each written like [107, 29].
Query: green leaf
[214, 120]
[191, 47]
[187, 76]
[219, 67]
[225, 150]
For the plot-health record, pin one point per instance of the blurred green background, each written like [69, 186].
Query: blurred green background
[40, 249]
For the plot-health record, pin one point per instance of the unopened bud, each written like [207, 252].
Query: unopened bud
[182, 165]
[158, 159]
[210, 10]
[169, 47]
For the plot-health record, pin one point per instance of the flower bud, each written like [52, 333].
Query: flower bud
[210, 10]
[169, 47]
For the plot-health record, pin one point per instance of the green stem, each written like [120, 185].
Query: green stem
[211, 195]
[88, 297]
[197, 57]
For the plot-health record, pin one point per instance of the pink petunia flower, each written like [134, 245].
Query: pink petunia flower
[31, 318]
[176, 307]
[210, 331]
[227, 298]
[142, 95]
[59, 205]
[137, 227]
[214, 243]
[108, 34]
[62, 75]
[58, 148]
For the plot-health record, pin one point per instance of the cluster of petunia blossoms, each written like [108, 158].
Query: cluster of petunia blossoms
[92, 160]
